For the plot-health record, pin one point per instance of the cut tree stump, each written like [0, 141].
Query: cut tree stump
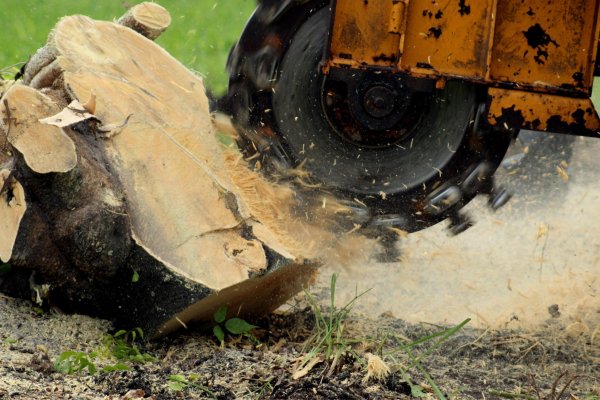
[127, 201]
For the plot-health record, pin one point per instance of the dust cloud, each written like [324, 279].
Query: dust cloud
[537, 259]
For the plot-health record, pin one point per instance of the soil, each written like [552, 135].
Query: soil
[472, 364]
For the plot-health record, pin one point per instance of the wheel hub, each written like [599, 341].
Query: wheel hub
[379, 101]
[371, 110]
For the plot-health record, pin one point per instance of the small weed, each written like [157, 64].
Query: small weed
[121, 347]
[234, 326]
[71, 362]
[178, 383]
[414, 360]
[329, 341]
[264, 390]
[9, 341]
[38, 311]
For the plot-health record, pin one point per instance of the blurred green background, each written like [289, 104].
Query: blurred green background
[200, 36]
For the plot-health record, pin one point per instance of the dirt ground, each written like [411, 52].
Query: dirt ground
[473, 364]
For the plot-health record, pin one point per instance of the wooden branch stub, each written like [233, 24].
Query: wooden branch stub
[147, 19]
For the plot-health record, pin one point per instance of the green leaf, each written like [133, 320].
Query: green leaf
[63, 363]
[417, 391]
[178, 378]
[219, 334]
[177, 386]
[120, 333]
[136, 277]
[140, 332]
[90, 366]
[116, 367]
[238, 326]
[70, 362]
[38, 311]
[220, 314]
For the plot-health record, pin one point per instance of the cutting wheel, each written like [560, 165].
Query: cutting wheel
[409, 153]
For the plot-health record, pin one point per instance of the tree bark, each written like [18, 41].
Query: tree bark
[127, 202]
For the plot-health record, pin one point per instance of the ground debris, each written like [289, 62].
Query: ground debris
[468, 364]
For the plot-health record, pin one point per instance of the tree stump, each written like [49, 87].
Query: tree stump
[121, 200]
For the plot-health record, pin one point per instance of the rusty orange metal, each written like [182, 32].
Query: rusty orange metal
[367, 33]
[549, 46]
[447, 38]
[533, 48]
[542, 112]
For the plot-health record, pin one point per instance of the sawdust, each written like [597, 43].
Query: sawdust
[313, 226]
[535, 260]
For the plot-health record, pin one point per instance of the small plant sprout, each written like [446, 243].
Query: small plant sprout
[178, 383]
[234, 326]
[71, 362]
[414, 360]
[123, 347]
[329, 342]
[120, 346]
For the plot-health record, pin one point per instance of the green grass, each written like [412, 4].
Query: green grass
[200, 36]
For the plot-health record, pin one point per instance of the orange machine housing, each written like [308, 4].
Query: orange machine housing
[537, 57]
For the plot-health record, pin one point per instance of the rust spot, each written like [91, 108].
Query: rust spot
[384, 57]
[578, 77]
[579, 116]
[436, 31]
[511, 117]
[439, 14]
[556, 124]
[538, 39]
[424, 65]
[463, 8]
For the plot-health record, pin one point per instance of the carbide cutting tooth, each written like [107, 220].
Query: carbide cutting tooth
[499, 198]
[459, 222]
[442, 200]
[478, 180]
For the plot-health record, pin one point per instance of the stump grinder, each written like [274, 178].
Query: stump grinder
[405, 109]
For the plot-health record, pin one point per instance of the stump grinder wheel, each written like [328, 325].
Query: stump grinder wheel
[397, 149]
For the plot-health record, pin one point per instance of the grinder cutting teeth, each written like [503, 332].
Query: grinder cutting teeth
[405, 149]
